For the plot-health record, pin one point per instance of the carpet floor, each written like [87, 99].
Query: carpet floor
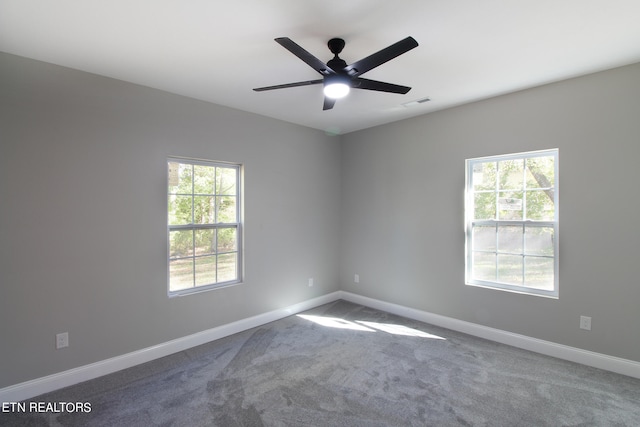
[344, 364]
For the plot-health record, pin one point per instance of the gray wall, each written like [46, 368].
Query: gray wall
[402, 209]
[83, 223]
[83, 215]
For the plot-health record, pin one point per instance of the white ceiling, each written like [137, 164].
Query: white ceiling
[218, 51]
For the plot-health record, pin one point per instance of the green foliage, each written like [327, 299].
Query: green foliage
[521, 189]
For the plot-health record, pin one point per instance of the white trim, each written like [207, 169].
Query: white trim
[59, 380]
[597, 360]
[38, 386]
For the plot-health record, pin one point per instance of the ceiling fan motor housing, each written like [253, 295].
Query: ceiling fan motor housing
[336, 46]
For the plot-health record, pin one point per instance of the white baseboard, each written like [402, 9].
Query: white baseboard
[38, 386]
[597, 360]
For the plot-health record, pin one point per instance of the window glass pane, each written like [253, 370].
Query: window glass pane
[204, 210]
[510, 269]
[510, 174]
[484, 176]
[180, 178]
[180, 274]
[227, 240]
[205, 241]
[179, 209]
[540, 172]
[539, 241]
[484, 206]
[180, 243]
[484, 266]
[227, 267]
[202, 195]
[204, 179]
[510, 205]
[484, 238]
[227, 209]
[205, 270]
[539, 273]
[540, 205]
[510, 239]
[226, 181]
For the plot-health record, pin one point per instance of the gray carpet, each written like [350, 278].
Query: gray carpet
[348, 365]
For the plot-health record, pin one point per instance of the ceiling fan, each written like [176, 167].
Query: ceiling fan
[338, 77]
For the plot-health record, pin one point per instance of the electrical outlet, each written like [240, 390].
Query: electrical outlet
[62, 340]
[585, 323]
[356, 278]
[310, 281]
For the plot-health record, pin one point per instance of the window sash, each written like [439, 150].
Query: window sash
[227, 262]
[482, 262]
[521, 250]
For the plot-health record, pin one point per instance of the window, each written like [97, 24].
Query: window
[203, 225]
[511, 211]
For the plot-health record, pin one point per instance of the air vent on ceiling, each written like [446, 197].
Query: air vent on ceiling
[416, 102]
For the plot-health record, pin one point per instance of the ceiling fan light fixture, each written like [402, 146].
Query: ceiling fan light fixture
[336, 90]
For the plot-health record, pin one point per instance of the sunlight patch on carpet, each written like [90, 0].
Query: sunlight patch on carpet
[361, 325]
[335, 322]
[399, 330]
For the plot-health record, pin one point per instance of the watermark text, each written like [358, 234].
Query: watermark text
[43, 407]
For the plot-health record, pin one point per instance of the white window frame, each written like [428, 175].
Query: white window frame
[471, 222]
[237, 225]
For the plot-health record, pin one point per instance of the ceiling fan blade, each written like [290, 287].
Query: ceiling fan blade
[360, 83]
[328, 103]
[380, 57]
[286, 85]
[308, 58]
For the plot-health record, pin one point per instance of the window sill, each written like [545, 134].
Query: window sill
[201, 289]
[523, 291]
